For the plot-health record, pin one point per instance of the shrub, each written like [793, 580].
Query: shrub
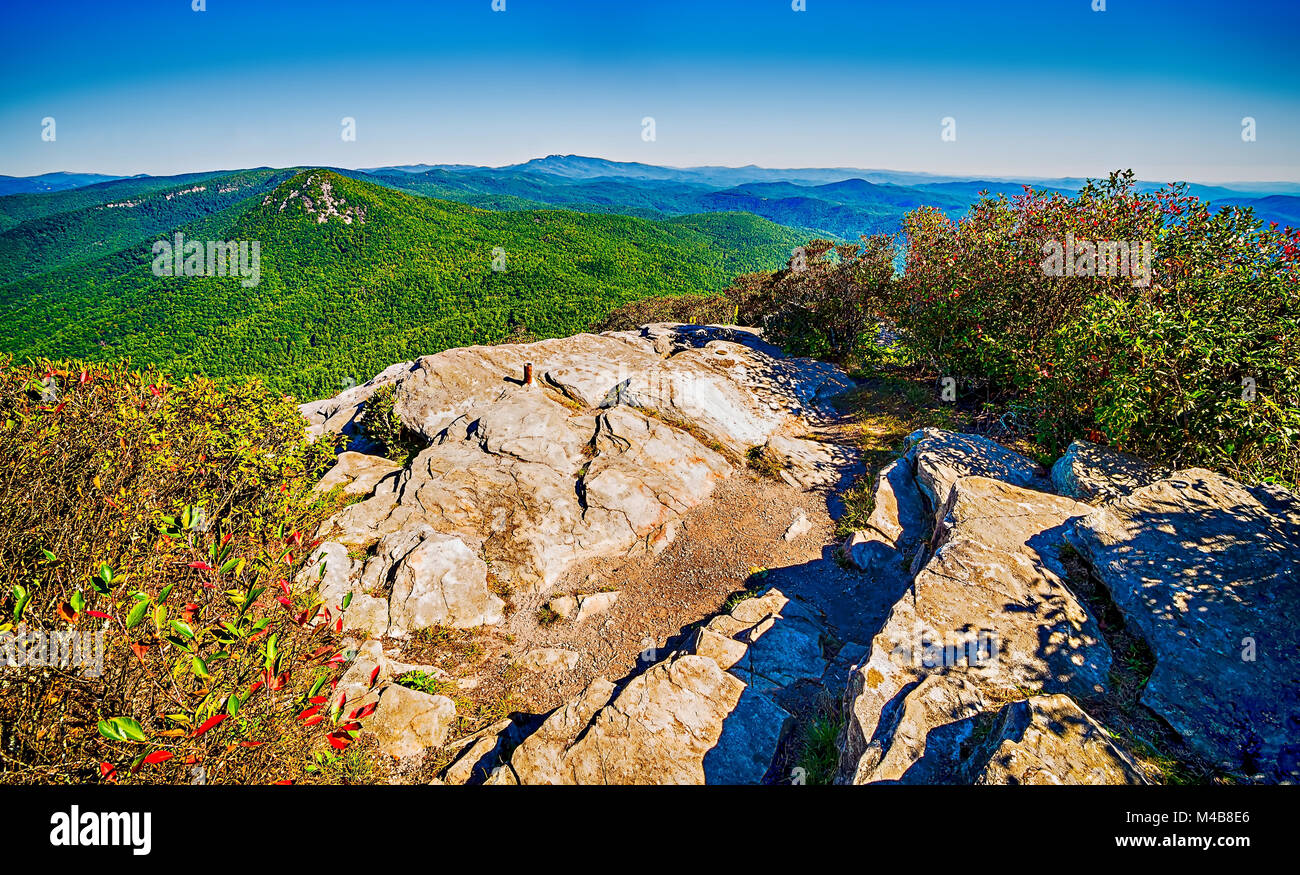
[686, 309]
[379, 422]
[825, 301]
[1200, 366]
[171, 517]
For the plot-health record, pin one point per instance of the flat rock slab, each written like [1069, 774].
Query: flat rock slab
[549, 660]
[1208, 572]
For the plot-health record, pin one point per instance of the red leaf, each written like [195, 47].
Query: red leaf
[364, 711]
[284, 782]
[312, 721]
[251, 743]
[307, 712]
[159, 756]
[209, 723]
[108, 771]
[201, 566]
[100, 614]
[66, 613]
[339, 740]
[374, 675]
[318, 700]
[350, 727]
[338, 627]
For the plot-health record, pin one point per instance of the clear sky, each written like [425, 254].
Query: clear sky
[1036, 87]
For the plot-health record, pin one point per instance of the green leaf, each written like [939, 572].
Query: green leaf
[183, 629]
[137, 614]
[122, 729]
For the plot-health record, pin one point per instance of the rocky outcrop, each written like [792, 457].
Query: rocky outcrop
[1208, 572]
[1046, 740]
[987, 618]
[616, 438]
[709, 713]
[1097, 474]
[980, 656]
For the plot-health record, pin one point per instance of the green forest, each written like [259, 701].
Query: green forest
[339, 301]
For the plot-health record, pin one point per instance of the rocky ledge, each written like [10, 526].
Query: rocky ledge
[951, 629]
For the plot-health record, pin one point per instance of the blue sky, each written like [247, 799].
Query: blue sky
[1037, 87]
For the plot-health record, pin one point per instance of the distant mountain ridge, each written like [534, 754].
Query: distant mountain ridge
[838, 202]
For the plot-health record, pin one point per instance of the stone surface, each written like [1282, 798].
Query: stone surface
[657, 730]
[750, 735]
[800, 526]
[1208, 572]
[619, 437]
[1048, 740]
[407, 722]
[441, 582]
[594, 605]
[987, 617]
[939, 458]
[549, 659]
[479, 755]
[1097, 474]
[357, 473]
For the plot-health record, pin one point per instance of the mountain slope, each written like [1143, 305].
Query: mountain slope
[118, 216]
[355, 276]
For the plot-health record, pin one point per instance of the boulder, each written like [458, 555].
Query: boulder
[1096, 474]
[939, 458]
[1207, 571]
[407, 722]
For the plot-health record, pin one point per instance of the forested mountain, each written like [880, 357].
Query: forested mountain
[355, 276]
[116, 216]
